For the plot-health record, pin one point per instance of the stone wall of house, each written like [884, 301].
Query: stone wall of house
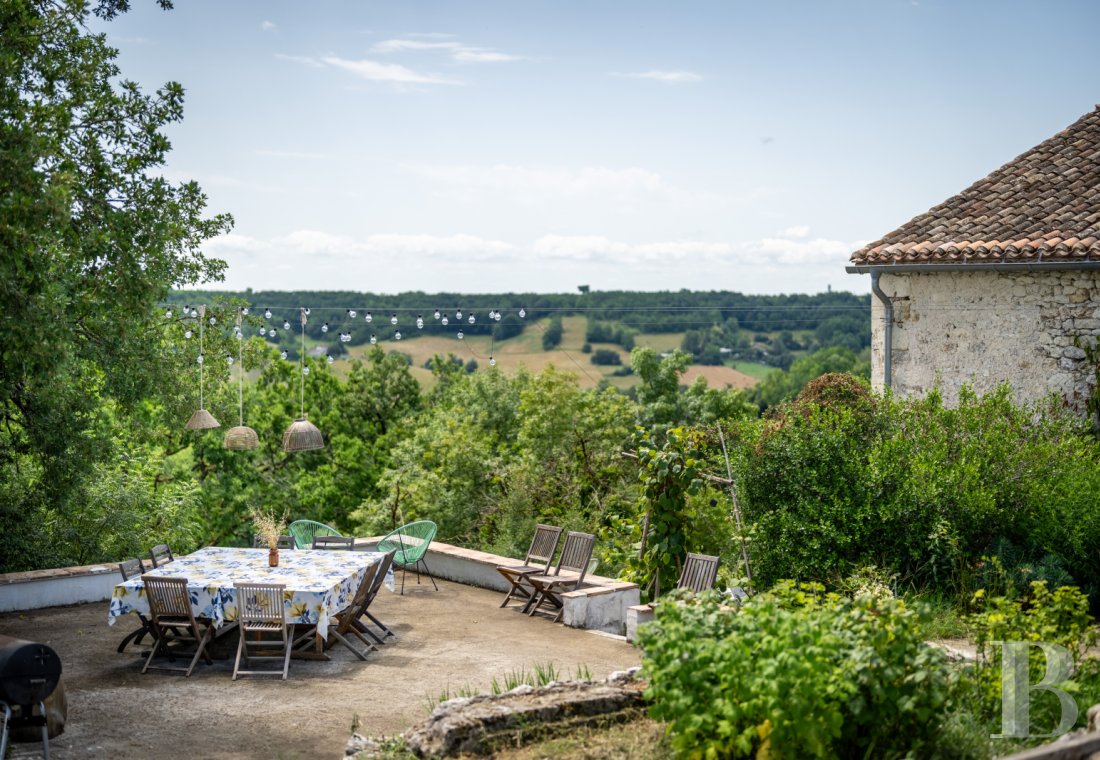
[989, 327]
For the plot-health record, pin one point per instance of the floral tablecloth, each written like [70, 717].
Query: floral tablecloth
[318, 583]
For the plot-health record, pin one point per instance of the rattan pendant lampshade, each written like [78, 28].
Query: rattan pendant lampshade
[241, 437]
[201, 419]
[302, 435]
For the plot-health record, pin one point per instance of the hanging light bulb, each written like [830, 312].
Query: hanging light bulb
[397, 335]
[213, 320]
[263, 332]
[201, 358]
[167, 313]
[492, 313]
[458, 314]
[472, 320]
[271, 332]
[283, 354]
[240, 335]
[286, 324]
[194, 312]
[305, 370]
[369, 318]
[393, 319]
[329, 359]
[229, 358]
[444, 321]
[324, 327]
[306, 310]
[351, 313]
[186, 309]
[419, 322]
[522, 313]
[373, 339]
[244, 310]
[497, 317]
[187, 334]
[460, 335]
[436, 315]
[267, 313]
[492, 362]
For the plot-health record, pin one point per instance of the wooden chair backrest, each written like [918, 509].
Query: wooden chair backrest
[333, 542]
[259, 603]
[160, 554]
[130, 568]
[543, 545]
[359, 602]
[168, 597]
[383, 567]
[699, 573]
[575, 553]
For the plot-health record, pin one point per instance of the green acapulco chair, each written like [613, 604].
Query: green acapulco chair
[410, 543]
[304, 532]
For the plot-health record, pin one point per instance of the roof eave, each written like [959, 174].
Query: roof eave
[1023, 266]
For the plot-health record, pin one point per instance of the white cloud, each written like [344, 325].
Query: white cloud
[797, 231]
[668, 77]
[376, 71]
[304, 60]
[457, 51]
[234, 243]
[268, 26]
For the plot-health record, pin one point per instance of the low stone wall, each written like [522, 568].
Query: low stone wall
[483, 723]
[59, 586]
[600, 605]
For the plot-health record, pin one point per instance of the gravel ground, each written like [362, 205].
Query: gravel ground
[450, 639]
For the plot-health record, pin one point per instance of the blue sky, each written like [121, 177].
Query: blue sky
[538, 145]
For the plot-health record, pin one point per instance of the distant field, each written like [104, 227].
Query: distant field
[754, 370]
[526, 351]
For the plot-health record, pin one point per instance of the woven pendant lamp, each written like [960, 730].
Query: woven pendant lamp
[242, 437]
[302, 435]
[201, 419]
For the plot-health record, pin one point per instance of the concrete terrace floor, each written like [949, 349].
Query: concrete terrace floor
[450, 639]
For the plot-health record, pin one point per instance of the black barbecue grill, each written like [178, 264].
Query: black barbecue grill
[29, 673]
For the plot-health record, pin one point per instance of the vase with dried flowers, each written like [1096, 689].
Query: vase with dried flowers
[269, 527]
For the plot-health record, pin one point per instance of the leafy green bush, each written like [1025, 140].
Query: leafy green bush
[1058, 617]
[795, 673]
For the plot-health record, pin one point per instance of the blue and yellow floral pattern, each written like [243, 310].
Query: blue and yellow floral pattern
[318, 583]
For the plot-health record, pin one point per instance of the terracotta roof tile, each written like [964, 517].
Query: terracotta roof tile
[1043, 205]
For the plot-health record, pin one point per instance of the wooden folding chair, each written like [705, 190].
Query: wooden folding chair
[285, 542]
[160, 555]
[132, 568]
[344, 543]
[573, 562]
[379, 579]
[346, 618]
[170, 611]
[261, 614]
[699, 573]
[539, 556]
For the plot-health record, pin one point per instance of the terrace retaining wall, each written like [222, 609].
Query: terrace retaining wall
[600, 605]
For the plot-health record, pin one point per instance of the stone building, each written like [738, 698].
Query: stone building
[999, 283]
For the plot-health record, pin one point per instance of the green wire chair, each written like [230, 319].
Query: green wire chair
[410, 544]
[305, 530]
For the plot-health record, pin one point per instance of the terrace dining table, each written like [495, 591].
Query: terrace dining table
[319, 583]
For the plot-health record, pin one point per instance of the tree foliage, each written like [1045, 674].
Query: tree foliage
[91, 239]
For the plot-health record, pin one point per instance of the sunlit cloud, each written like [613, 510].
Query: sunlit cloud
[268, 26]
[659, 75]
[376, 71]
[797, 231]
[456, 50]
